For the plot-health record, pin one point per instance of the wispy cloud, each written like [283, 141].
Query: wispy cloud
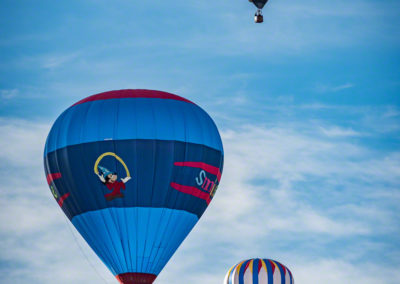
[340, 132]
[54, 61]
[324, 88]
[8, 94]
[49, 61]
[23, 143]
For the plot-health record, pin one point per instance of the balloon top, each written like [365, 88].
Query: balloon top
[261, 271]
[130, 93]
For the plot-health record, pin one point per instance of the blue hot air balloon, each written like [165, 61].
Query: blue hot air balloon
[259, 271]
[134, 170]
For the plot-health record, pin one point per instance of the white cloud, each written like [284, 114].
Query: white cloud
[391, 112]
[24, 143]
[340, 132]
[57, 60]
[49, 61]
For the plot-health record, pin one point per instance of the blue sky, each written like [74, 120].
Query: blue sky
[307, 105]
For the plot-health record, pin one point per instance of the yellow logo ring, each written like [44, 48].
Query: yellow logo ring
[116, 157]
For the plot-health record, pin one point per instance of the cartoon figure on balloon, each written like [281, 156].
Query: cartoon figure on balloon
[110, 178]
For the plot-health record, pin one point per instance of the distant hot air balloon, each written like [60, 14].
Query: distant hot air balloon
[259, 271]
[134, 170]
[258, 17]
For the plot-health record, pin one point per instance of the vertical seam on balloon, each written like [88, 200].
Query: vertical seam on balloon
[185, 117]
[202, 157]
[231, 275]
[230, 278]
[85, 228]
[255, 272]
[250, 267]
[88, 232]
[163, 212]
[63, 116]
[124, 224]
[263, 264]
[73, 183]
[161, 216]
[58, 166]
[67, 181]
[290, 275]
[152, 185]
[156, 262]
[177, 196]
[236, 272]
[272, 269]
[110, 213]
[136, 191]
[282, 269]
[276, 268]
[242, 271]
[108, 250]
[186, 198]
[128, 255]
[82, 125]
[117, 165]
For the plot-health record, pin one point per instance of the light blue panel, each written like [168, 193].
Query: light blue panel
[135, 239]
[133, 118]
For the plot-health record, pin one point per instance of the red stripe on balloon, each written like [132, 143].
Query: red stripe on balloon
[247, 266]
[208, 168]
[273, 266]
[282, 266]
[290, 273]
[129, 93]
[192, 191]
[51, 177]
[62, 199]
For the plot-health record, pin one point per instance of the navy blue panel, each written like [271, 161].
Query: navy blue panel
[242, 271]
[151, 166]
[256, 262]
[280, 267]
[270, 271]
[133, 118]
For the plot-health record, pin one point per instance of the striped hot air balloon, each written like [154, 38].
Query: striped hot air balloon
[134, 170]
[259, 271]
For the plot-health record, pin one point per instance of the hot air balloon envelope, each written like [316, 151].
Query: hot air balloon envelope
[259, 271]
[134, 170]
[260, 3]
